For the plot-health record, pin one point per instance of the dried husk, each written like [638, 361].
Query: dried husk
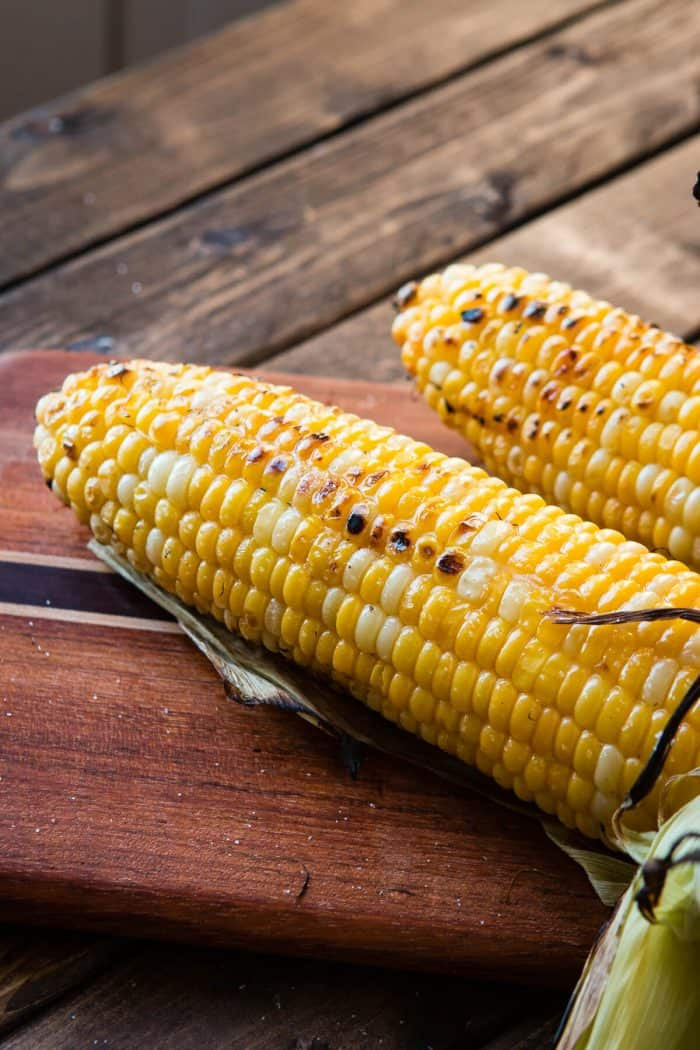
[640, 987]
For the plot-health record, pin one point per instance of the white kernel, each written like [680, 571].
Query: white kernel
[513, 600]
[670, 405]
[643, 600]
[349, 457]
[283, 532]
[608, 769]
[612, 431]
[562, 487]
[662, 584]
[368, 625]
[597, 468]
[159, 471]
[331, 603]
[645, 483]
[100, 531]
[691, 512]
[145, 460]
[476, 580]
[680, 543]
[676, 498]
[625, 386]
[125, 489]
[265, 522]
[396, 583]
[154, 546]
[288, 484]
[658, 682]
[488, 539]
[438, 373]
[690, 653]
[357, 565]
[273, 617]
[176, 489]
[387, 636]
[600, 553]
[603, 806]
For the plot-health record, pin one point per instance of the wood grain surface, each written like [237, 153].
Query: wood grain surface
[634, 241]
[135, 798]
[36, 969]
[174, 1001]
[135, 145]
[289, 251]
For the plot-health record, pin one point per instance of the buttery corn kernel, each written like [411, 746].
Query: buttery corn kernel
[422, 585]
[608, 433]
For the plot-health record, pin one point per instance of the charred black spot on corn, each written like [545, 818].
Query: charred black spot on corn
[451, 563]
[68, 446]
[400, 540]
[356, 522]
[473, 315]
[405, 295]
[511, 302]
[117, 369]
[535, 309]
[278, 465]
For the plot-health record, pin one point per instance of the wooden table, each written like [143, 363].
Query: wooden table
[258, 196]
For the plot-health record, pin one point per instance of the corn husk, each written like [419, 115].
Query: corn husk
[640, 989]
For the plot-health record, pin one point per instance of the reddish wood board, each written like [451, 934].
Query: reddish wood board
[135, 798]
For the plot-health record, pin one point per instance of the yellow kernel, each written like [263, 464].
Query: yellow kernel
[406, 649]
[344, 658]
[166, 518]
[462, 687]
[205, 540]
[491, 743]
[524, 716]
[535, 773]
[501, 704]
[515, 756]
[422, 705]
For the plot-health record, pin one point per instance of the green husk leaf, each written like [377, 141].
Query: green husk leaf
[609, 874]
[253, 676]
[639, 989]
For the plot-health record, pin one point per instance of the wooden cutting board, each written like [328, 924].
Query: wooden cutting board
[135, 798]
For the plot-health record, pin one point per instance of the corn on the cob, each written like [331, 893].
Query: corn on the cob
[416, 581]
[564, 396]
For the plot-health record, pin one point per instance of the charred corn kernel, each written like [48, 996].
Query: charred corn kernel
[564, 396]
[418, 582]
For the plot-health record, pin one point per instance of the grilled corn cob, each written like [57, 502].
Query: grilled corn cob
[564, 396]
[416, 581]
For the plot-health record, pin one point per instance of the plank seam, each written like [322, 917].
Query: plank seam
[363, 116]
[401, 276]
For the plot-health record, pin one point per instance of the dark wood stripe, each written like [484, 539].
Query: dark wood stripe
[61, 588]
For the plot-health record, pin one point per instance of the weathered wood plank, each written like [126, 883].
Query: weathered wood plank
[634, 242]
[281, 255]
[38, 967]
[184, 999]
[126, 148]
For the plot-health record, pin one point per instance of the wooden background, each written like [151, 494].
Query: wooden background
[240, 213]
